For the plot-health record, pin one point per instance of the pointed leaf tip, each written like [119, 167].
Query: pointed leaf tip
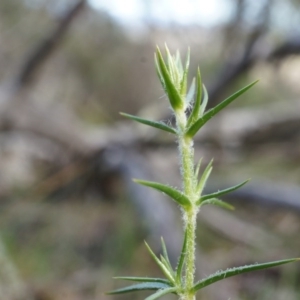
[183, 83]
[220, 275]
[155, 124]
[176, 195]
[168, 273]
[181, 259]
[140, 287]
[169, 84]
[202, 182]
[222, 192]
[190, 95]
[217, 202]
[194, 127]
[165, 255]
[195, 114]
[144, 279]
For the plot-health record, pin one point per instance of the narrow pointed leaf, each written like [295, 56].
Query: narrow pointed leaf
[167, 265]
[171, 64]
[196, 106]
[158, 72]
[222, 192]
[204, 101]
[181, 259]
[220, 275]
[140, 287]
[165, 253]
[160, 293]
[154, 124]
[144, 279]
[176, 195]
[183, 83]
[193, 129]
[198, 168]
[190, 95]
[204, 177]
[173, 94]
[178, 62]
[160, 264]
[217, 202]
[171, 67]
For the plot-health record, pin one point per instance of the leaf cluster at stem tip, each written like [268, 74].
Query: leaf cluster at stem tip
[189, 108]
[173, 77]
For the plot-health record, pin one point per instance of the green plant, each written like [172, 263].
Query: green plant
[180, 281]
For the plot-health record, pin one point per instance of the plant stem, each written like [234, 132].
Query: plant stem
[190, 219]
[190, 213]
[186, 155]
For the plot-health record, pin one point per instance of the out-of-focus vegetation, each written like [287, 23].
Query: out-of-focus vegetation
[66, 157]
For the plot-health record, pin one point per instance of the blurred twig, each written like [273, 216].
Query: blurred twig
[290, 47]
[234, 68]
[269, 194]
[47, 47]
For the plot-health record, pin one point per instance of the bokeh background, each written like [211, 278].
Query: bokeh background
[70, 216]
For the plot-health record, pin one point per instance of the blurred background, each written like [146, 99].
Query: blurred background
[70, 216]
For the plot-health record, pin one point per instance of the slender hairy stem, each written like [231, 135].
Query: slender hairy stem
[187, 156]
[190, 253]
[187, 173]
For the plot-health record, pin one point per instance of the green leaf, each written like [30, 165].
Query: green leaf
[191, 92]
[220, 275]
[198, 168]
[172, 68]
[140, 287]
[170, 88]
[183, 83]
[154, 124]
[176, 195]
[204, 178]
[160, 293]
[165, 253]
[217, 202]
[164, 269]
[204, 101]
[158, 72]
[178, 62]
[193, 129]
[144, 279]
[222, 192]
[196, 106]
[181, 259]
[167, 265]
